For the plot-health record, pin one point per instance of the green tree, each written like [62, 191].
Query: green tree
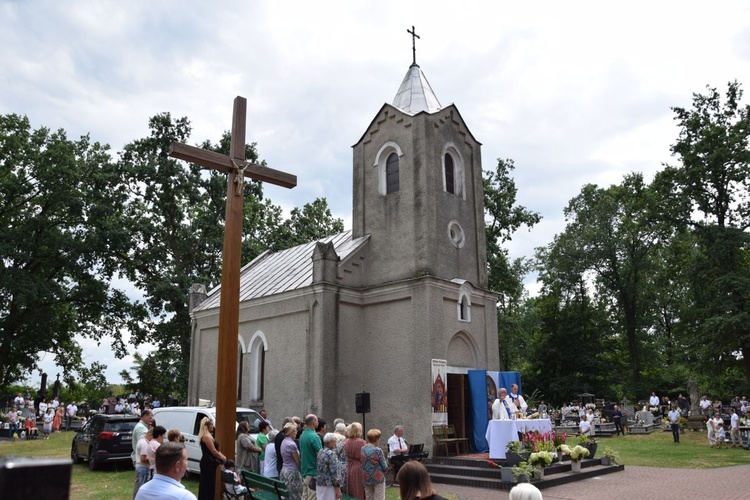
[91, 384]
[313, 222]
[505, 276]
[611, 237]
[175, 215]
[60, 235]
[711, 186]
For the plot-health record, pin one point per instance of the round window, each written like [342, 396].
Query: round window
[456, 234]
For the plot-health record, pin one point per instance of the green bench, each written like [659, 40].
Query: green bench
[266, 488]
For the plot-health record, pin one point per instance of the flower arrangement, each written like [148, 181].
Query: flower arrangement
[576, 453]
[558, 439]
[540, 459]
[585, 440]
[612, 455]
[513, 447]
[523, 469]
[536, 441]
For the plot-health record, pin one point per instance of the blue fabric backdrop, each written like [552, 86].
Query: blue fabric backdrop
[481, 402]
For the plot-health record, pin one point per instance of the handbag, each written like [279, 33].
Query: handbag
[313, 483]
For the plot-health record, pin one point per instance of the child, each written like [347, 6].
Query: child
[720, 435]
[238, 488]
[31, 429]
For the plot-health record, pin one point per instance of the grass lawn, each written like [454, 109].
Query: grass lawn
[658, 450]
[654, 450]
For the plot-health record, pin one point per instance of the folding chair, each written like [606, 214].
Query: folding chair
[227, 479]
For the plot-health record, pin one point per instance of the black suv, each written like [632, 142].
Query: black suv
[104, 438]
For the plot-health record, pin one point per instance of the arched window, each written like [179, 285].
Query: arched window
[450, 183]
[391, 174]
[463, 308]
[239, 369]
[257, 366]
[388, 165]
[453, 171]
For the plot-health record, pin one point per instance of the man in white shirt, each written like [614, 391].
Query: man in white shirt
[516, 400]
[55, 403]
[19, 402]
[501, 407]
[653, 400]
[584, 427]
[70, 412]
[674, 422]
[397, 447]
[734, 429]
[171, 464]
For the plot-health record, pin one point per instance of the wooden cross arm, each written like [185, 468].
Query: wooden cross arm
[222, 163]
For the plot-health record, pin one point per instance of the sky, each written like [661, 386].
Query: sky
[574, 92]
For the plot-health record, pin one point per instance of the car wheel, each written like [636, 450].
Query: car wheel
[92, 463]
[74, 455]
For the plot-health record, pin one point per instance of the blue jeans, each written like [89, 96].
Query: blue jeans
[141, 478]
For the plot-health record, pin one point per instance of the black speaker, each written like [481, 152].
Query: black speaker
[362, 402]
[19, 477]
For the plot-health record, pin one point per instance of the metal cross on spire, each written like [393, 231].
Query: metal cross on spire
[414, 36]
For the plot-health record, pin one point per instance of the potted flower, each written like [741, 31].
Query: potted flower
[522, 472]
[577, 454]
[515, 453]
[589, 443]
[557, 441]
[611, 457]
[539, 460]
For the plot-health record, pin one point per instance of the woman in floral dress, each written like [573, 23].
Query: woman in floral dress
[374, 467]
[329, 473]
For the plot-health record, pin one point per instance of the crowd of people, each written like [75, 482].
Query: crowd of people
[57, 415]
[314, 463]
[160, 460]
[24, 414]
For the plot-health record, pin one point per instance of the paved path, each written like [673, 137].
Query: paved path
[725, 483]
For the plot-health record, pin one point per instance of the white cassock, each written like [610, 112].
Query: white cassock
[509, 399]
[500, 410]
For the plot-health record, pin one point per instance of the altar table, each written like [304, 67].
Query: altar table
[501, 432]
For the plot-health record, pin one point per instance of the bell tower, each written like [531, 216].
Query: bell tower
[418, 190]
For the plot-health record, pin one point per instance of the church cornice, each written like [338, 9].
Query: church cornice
[449, 115]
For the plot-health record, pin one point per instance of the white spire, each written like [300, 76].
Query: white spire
[415, 94]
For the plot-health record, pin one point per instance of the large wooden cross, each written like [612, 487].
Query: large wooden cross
[236, 168]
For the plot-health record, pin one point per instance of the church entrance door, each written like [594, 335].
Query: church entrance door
[459, 403]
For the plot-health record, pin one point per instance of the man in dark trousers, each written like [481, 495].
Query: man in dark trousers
[617, 419]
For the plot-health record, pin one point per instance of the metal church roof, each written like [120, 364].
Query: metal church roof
[415, 94]
[290, 269]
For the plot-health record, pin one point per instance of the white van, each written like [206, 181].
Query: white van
[188, 420]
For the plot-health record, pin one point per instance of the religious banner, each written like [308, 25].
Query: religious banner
[439, 392]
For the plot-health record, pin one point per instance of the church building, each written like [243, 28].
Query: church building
[376, 308]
